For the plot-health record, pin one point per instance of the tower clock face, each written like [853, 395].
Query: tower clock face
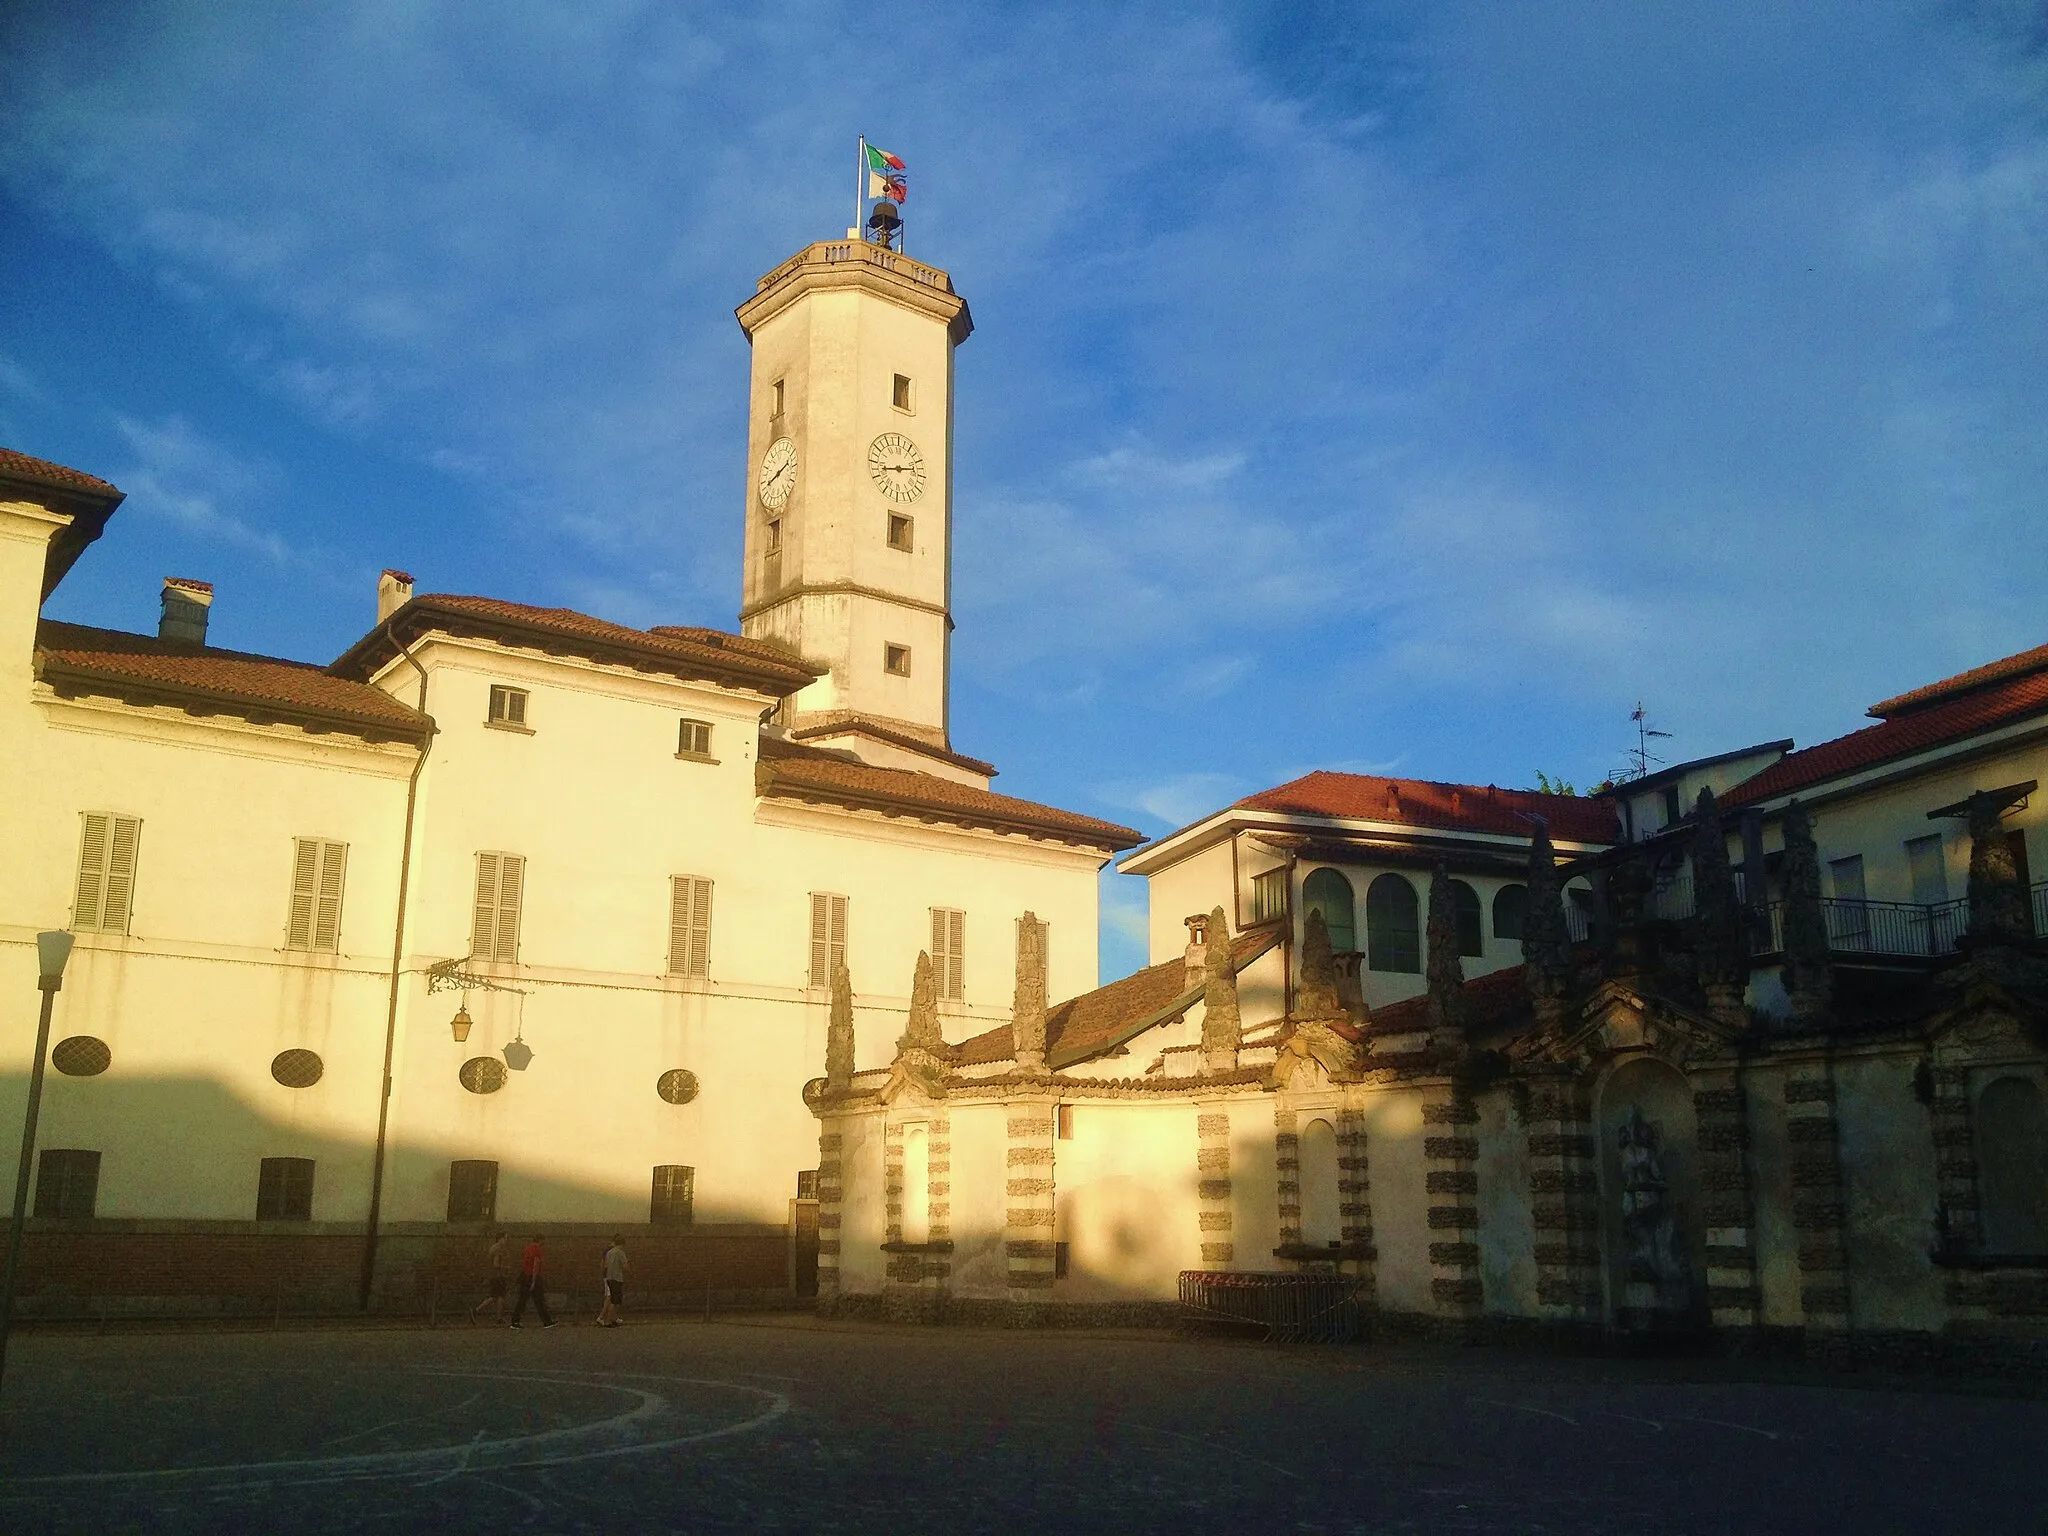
[778, 474]
[896, 467]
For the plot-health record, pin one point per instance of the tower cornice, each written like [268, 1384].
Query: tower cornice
[861, 264]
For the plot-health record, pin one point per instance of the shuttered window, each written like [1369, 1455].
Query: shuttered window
[106, 873]
[675, 1191]
[500, 880]
[472, 1190]
[67, 1184]
[689, 926]
[317, 869]
[949, 952]
[284, 1189]
[828, 936]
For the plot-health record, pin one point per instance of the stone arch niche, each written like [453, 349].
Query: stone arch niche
[1322, 1218]
[1652, 1239]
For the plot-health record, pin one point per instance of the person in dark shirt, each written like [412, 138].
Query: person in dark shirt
[532, 1285]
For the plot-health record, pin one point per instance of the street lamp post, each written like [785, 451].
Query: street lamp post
[52, 950]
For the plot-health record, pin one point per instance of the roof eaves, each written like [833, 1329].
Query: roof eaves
[69, 678]
[773, 783]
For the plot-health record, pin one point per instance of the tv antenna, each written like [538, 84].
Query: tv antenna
[1640, 757]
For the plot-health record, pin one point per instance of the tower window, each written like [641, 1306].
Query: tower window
[899, 532]
[900, 392]
[777, 410]
[896, 660]
[693, 739]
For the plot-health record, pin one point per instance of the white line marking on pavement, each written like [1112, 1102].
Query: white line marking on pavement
[1747, 1429]
[494, 1455]
[1604, 1413]
[1211, 1445]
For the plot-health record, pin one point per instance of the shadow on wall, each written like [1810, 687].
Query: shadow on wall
[174, 1216]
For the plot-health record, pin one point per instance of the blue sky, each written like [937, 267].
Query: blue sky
[1404, 388]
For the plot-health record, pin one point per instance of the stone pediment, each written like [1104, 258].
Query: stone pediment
[1621, 1018]
[1996, 1010]
[917, 1074]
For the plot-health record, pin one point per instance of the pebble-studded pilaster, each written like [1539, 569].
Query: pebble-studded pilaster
[1354, 1198]
[1028, 1234]
[1819, 1209]
[938, 1257]
[831, 1209]
[901, 1268]
[1287, 1163]
[1212, 1186]
[1728, 1205]
[1450, 1151]
[1564, 1200]
[1953, 1129]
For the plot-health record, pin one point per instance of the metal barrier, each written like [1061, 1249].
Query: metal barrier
[1291, 1308]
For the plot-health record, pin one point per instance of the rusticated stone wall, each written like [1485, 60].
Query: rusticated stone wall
[1819, 1209]
[1564, 1200]
[1212, 1186]
[1727, 1201]
[1450, 1153]
[1028, 1224]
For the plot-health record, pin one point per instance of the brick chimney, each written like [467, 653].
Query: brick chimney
[394, 591]
[186, 606]
[1196, 955]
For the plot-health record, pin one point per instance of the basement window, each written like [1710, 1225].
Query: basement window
[508, 708]
[899, 532]
[896, 660]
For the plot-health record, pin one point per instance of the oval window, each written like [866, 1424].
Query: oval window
[81, 1056]
[297, 1068]
[676, 1086]
[482, 1074]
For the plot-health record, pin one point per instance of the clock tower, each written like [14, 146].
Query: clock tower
[850, 495]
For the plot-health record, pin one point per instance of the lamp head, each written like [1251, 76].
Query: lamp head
[52, 951]
[461, 1022]
[518, 1055]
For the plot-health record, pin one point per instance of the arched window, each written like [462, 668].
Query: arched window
[1465, 914]
[1510, 911]
[1393, 934]
[2012, 1166]
[1328, 892]
[916, 1189]
[1321, 1220]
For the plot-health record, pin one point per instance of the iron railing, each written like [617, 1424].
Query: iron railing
[1289, 1308]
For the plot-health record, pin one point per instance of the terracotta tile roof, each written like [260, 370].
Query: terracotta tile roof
[20, 466]
[1916, 730]
[794, 771]
[2024, 663]
[676, 648]
[77, 659]
[1096, 1021]
[1444, 807]
[1496, 996]
[849, 724]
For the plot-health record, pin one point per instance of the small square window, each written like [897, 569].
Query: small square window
[67, 1184]
[284, 1189]
[896, 660]
[508, 706]
[1066, 1122]
[900, 392]
[777, 409]
[899, 532]
[693, 739]
[473, 1190]
[674, 1199]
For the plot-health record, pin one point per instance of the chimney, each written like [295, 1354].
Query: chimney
[394, 591]
[186, 605]
[1196, 955]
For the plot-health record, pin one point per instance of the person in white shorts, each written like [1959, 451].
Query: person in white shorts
[614, 1270]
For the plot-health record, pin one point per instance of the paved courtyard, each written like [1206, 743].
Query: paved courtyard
[787, 1425]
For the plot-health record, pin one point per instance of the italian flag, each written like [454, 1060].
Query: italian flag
[881, 161]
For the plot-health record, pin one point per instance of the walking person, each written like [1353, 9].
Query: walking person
[533, 1285]
[613, 1266]
[501, 1271]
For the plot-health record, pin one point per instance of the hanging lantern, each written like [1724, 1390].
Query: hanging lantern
[518, 1054]
[461, 1022]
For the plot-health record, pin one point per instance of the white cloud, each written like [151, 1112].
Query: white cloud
[198, 485]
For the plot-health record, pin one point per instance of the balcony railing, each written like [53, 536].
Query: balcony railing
[1904, 928]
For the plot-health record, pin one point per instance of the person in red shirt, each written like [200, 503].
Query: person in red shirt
[532, 1285]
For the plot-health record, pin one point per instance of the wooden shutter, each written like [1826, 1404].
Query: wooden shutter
[689, 926]
[106, 872]
[828, 936]
[327, 902]
[949, 952]
[298, 928]
[483, 938]
[511, 887]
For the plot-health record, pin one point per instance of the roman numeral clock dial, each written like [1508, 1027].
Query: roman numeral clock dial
[896, 467]
[778, 474]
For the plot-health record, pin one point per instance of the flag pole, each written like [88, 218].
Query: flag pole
[860, 182]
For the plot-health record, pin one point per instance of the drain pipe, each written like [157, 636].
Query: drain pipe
[412, 791]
